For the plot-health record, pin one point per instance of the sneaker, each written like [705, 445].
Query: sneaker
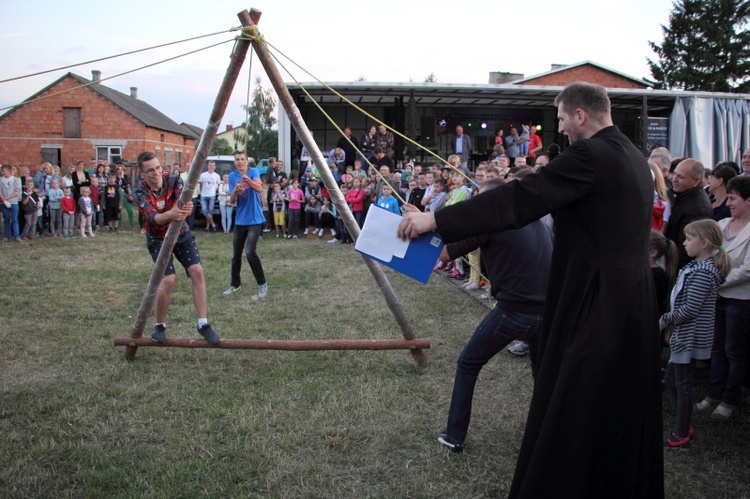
[262, 290]
[159, 334]
[447, 441]
[457, 275]
[334, 241]
[673, 441]
[320, 232]
[448, 267]
[208, 334]
[266, 230]
[306, 231]
[520, 349]
[705, 404]
[295, 236]
[333, 233]
[231, 289]
[722, 411]
[471, 286]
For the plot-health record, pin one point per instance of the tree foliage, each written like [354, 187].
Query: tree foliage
[261, 140]
[221, 147]
[430, 78]
[706, 47]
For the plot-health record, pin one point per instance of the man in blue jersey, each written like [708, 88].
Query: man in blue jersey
[245, 189]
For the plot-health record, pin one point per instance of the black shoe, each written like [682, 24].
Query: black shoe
[159, 334]
[208, 334]
[447, 441]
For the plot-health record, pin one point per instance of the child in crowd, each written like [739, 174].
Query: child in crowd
[95, 197]
[295, 197]
[312, 216]
[225, 207]
[342, 233]
[459, 192]
[355, 199]
[436, 200]
[662, 250]
[690, 322]
[54, 195]
[278, 207]
[68, 205]
[328, 215]
[86, 211]
[29, 205]
[387, 201]
[112, 202]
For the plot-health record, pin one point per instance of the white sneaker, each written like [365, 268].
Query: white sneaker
[306, 231]
[333, 233]
[471, 286]
[333, 241]
[722, 411]
[705, 404]
[262, 290]
[320, 232]
[520, 349]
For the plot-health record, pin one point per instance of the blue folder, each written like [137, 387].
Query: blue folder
[420, 257]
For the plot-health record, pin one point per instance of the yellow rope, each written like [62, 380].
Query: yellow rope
[118, 55]
[342, 97]
[112, 77]
[395, 193]
[349, 140]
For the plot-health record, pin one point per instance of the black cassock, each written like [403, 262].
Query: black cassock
[594, 424]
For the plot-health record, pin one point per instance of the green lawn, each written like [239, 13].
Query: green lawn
[77, 420]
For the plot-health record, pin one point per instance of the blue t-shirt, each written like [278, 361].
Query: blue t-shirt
[249, 207]
[389, 204]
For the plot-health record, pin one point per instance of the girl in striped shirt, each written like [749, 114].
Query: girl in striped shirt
[690, 321]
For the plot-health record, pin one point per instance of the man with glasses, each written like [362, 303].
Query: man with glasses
[157, 199]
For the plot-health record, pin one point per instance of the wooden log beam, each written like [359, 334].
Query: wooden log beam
[204, 146]
[293, 345]
[295, 118]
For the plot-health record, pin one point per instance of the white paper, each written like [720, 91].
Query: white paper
[379, 236]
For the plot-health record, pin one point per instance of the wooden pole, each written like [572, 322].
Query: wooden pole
[220, 106]
[285, 98]
[294, 345]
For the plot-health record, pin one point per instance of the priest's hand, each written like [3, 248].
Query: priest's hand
[414, 223]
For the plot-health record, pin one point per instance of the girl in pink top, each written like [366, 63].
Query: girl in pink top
[295, 197]
[355, 198]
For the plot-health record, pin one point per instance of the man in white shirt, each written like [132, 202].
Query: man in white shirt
[209, 183]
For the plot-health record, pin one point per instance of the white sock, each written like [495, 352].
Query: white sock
[202, 321]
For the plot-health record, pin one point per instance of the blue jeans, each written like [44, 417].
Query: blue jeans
[730, 349]
[10, 215]
[226, 216]
[207, 206]
[246, 237]
[491, 336]
[679, 381]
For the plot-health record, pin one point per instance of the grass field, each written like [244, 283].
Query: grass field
[79, 421]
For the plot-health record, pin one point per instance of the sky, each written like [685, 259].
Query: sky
[337, 41]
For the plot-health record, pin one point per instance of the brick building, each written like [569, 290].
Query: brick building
[561, 75]
[65, 122]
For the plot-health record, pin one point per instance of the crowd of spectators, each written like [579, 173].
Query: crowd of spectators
[84, 200]
[75, 203]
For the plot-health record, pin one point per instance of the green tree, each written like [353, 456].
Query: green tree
[220, 147]
[706, 47]
[262, 140]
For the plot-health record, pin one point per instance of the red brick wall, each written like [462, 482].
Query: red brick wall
[24, 131]
[587, 73]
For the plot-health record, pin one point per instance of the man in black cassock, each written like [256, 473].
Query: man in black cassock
[594, 424]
